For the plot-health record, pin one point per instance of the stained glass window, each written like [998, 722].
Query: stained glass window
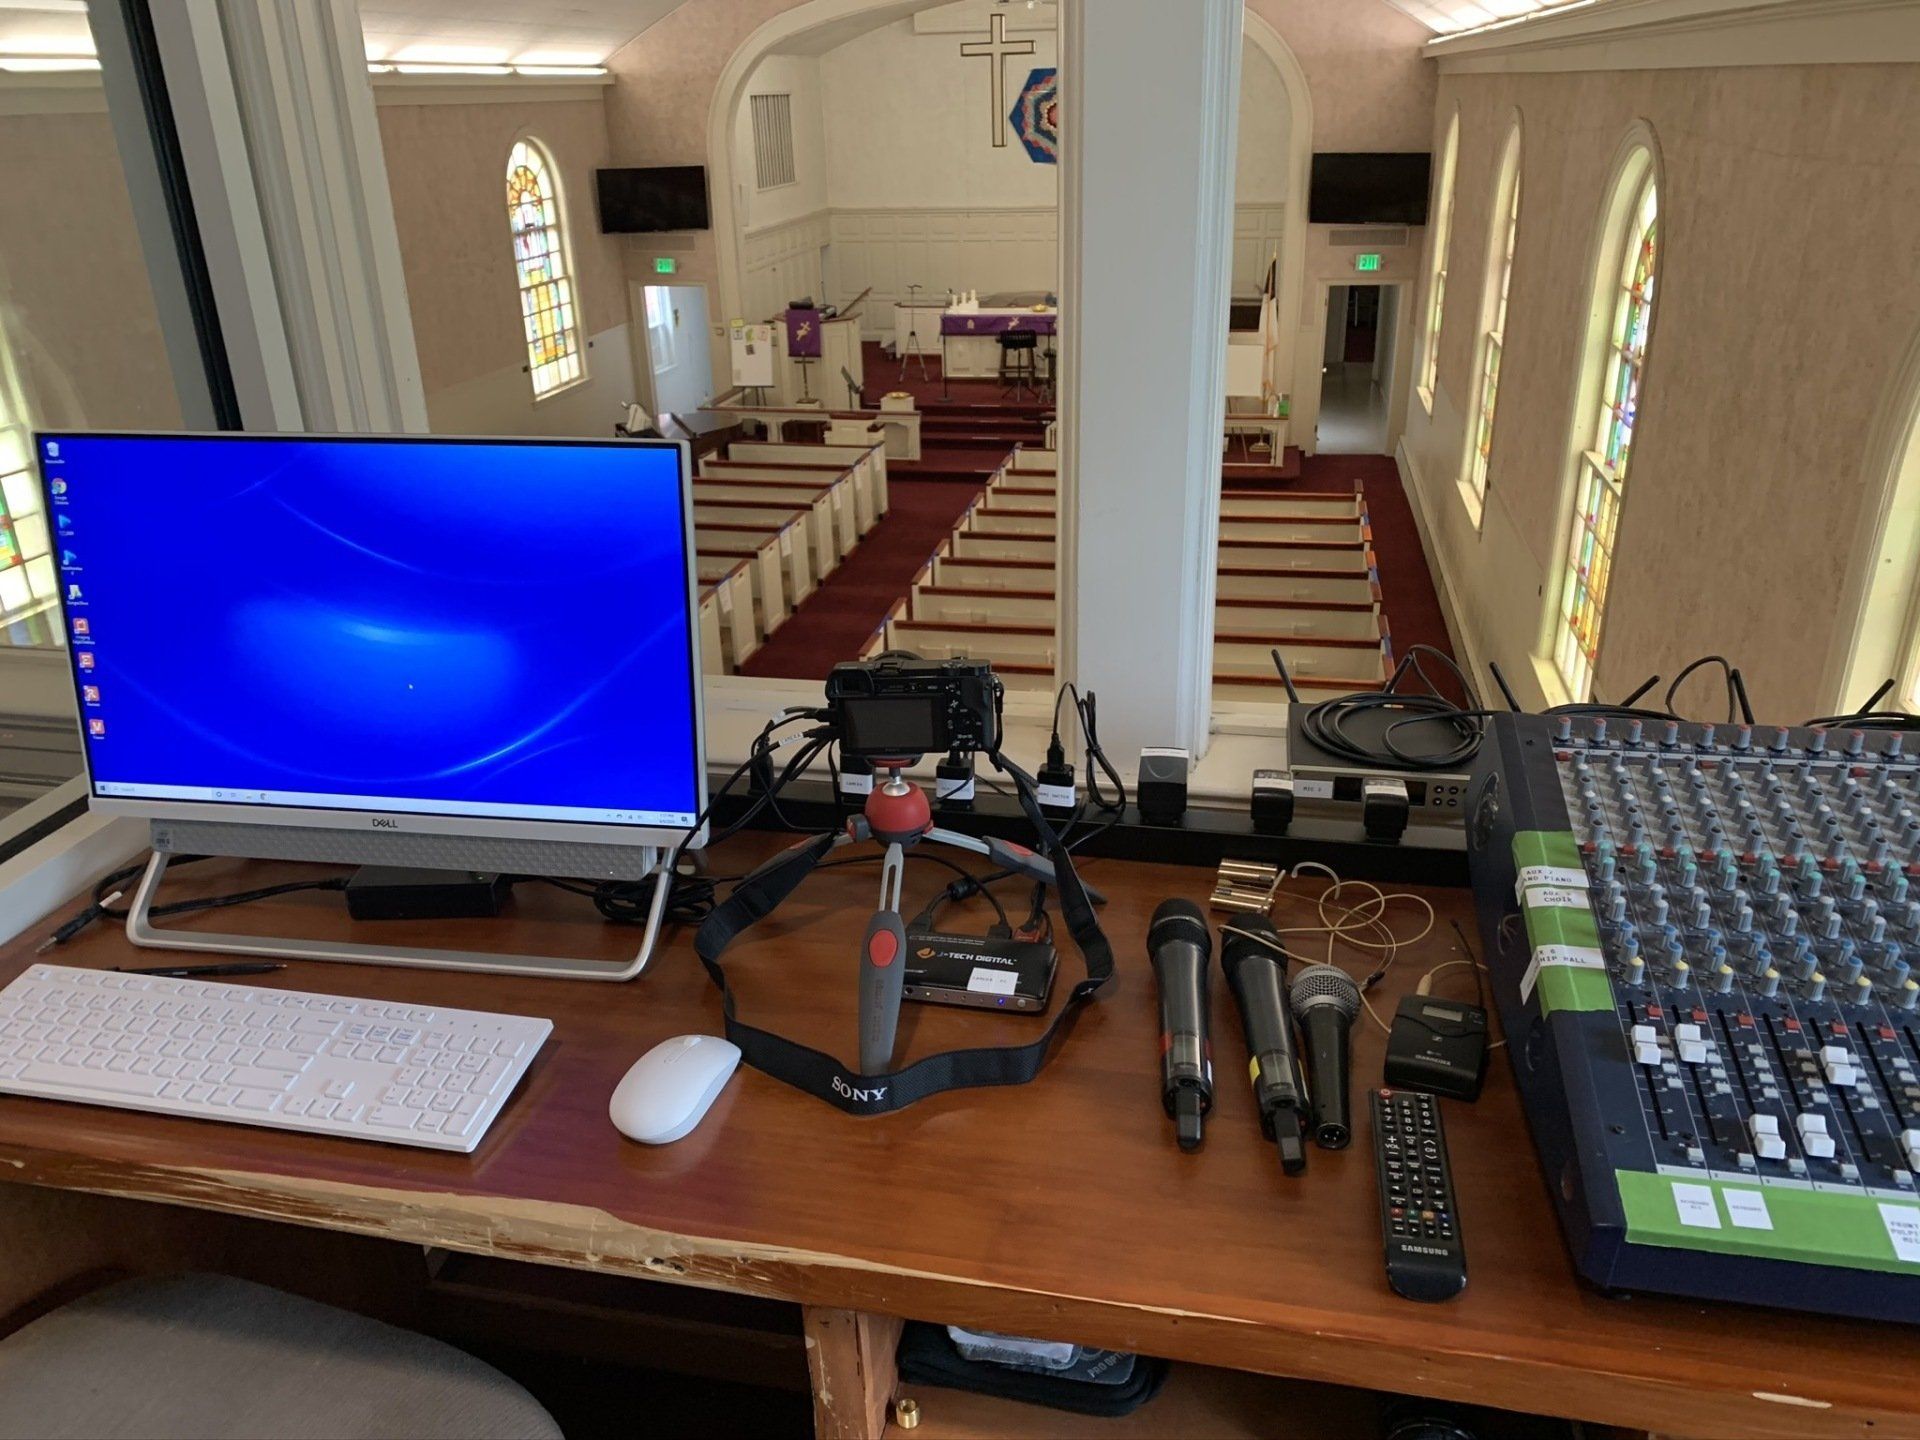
[1491, 346]
[1602, 470]
[27, 577]
[540, 258]
[1437, 280]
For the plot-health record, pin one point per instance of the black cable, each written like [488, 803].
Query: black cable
[1329, 723]
[1687, 670]
[1868, 717]
[100, 909]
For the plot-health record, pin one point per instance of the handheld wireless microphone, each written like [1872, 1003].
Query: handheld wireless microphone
[1256, 966]
[1178, 944]
[1325, 1000]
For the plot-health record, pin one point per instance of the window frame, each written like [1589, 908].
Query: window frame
[565, 283]
[1590, 482]
[1490, 342]
[1428, 380]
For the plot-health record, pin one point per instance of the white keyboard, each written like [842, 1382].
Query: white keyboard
[366, 1069]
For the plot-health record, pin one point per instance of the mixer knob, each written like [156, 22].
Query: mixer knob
[1769, 877]
[1659, 909]
[1723, 980]
[1861, 991]
[1892, 751]
[1563, 729]
[1770, 984]
[1617, 909]
[1909, 995]
[1877, 854]
[1743, 917]
[1682, 973]
[1816, 987]
[1836, 847]
[1634, 728]
[1796, 844]
[1853, 883]
[1670, 733]
[1599, 730]
[1895, 973]
[1636, 971]
[1817, 743]
[1910, 915]
[1743, 738]
[1706, 737]
[1856, 742]
[1703, 916]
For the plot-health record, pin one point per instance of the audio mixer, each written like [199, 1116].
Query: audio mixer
[1702, 942]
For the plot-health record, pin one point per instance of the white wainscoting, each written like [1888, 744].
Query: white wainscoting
[1256, 238]
[984, 250]
[782, 263]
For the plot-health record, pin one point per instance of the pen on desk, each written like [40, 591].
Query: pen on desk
[197, 972]
[78, 923]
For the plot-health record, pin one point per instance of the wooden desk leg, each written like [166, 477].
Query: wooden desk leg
[850, 1357]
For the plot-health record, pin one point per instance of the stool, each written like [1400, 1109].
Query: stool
[209, 1357]
[1018, 370]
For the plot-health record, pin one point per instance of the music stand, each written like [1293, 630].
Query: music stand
[913, 334]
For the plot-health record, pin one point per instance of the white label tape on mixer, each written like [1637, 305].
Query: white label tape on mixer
[1747, 1209]
[1563, 875]
[1903, 1229]
[1696, 1207]
[1566, 957]
[1555, 897]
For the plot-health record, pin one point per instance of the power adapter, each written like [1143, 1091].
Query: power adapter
[399, 892]
[1437, 1046]
[1053, 786]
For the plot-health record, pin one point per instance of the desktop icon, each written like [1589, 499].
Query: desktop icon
[66, 522]
[59, 487]
[90, 694]
[82, 626]
[84, 658]
[69, 559]
[53, 449]
[97, 727]
[73, 592]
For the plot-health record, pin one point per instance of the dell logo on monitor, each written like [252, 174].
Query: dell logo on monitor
[385, 822]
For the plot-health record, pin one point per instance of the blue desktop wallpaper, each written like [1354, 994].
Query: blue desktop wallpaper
[479, 622]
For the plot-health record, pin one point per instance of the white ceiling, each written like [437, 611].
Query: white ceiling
[1449, 16]
[493, 32]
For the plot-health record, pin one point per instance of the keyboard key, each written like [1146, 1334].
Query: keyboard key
[127, 1084]
[392, 1116]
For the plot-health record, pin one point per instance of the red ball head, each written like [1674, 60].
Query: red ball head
[900, 817]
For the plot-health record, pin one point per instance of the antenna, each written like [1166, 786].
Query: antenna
[1285, 679]
[1501, 680]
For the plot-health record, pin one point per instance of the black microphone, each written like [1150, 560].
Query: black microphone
[1325, 1000]
[1256, 966]
[1178, 942]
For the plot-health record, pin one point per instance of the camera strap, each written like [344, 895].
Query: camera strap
[819, 1073]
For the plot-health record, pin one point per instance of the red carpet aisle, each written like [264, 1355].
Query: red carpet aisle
[1407, 593]
[837, 619]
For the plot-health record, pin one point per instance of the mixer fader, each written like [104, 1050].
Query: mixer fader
[1703, 944]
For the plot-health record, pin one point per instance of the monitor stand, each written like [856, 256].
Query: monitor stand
[141, 930]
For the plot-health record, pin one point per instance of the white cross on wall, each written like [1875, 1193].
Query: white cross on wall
[996, 47]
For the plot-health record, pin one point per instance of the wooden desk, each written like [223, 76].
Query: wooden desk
[1060, 1209]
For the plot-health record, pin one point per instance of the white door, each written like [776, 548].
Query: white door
[675, 323]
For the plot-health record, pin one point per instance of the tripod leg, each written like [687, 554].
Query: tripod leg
[883, 968]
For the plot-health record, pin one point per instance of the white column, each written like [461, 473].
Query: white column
[282, 147]
[1150, 119]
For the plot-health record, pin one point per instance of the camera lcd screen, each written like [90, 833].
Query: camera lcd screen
[893, 725]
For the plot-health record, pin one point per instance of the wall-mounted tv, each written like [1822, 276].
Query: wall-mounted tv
[1388, 188]
[637, 201]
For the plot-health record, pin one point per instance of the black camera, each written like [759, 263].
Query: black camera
[900, 708]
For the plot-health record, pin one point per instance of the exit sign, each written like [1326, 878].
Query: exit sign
[666, 264]
[1366, 262]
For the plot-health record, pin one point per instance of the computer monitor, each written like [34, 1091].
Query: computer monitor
[459, 654]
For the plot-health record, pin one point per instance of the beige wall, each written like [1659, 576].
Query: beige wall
[1787, 298]
[446, 165]
[78, 310]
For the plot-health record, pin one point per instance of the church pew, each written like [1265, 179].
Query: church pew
[1306, 586]
[945, 604]
[970, 545]
[830, 511]
[1032, 458]
[992, 574]
[855, 512]
[901, 428]
[868, 463]
[989, 519]
[1294, 529]
[762, 557]
[1257, 619]
[796, 568]
[1285, 619]
[731, 582]
[751, 512]
[1293, 504]
[713, 645]
[1354, 558]
[1322, 661]
[1002, 494]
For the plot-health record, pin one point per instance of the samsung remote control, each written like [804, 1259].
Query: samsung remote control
[1419, 1221]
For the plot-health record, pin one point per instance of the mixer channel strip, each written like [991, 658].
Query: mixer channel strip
[1721, 925]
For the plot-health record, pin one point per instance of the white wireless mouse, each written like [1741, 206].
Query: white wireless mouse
[669, 1089]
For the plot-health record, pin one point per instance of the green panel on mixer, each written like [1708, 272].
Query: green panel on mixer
[1569, 971]
[1862, 1232]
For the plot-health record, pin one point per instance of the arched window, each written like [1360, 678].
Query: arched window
[28, 581]
[544, 269]
[1506, 228]
[1609, 411]
[1437, 267]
